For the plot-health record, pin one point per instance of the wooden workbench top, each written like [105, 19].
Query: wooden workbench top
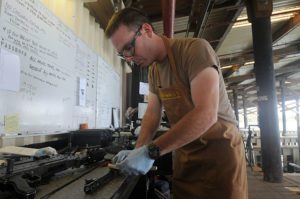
[75, 189]
[73, 181]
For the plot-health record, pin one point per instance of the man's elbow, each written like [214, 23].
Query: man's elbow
[212, 118]
[208, 116]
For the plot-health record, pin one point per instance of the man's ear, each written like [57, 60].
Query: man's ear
[148, 29]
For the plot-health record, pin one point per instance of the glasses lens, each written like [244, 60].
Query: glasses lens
[129, 51]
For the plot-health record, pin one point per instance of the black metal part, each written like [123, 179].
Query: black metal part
[91, 137]
[141, 186]
[10, 166]
[71, 181]
[236, 105]
[94, 154]
[91, 185]
[20, 186]
[28, 174]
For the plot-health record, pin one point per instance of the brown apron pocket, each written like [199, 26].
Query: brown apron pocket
[217, 171]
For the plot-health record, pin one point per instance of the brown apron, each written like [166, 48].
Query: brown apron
[211, 167]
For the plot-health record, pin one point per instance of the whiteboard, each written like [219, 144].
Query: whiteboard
[108, 94]
[52, 61]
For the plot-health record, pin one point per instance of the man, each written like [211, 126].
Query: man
[184, 78]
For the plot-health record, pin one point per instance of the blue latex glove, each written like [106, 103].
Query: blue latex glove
[137, 162]
[120, 156]
[46, 151]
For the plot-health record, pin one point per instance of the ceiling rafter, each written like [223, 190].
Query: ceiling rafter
[291, 68]
[232, 17]
[288, 27]
[278, 54]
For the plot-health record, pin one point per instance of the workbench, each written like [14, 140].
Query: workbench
[71, 183]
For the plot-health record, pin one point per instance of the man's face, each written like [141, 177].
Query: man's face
[131, 45]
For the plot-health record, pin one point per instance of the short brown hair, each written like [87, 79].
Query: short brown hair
[130, 17]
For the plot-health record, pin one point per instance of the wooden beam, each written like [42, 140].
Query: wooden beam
[240, 78]
[243, 57]
[201, 15]
[288, 27]
[277, 55]
[232, 17]
[293, 67]
[289, 69]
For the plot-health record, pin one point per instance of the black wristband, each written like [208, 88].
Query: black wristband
[153, 151]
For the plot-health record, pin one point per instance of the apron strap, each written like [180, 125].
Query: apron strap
[174, 70]
[155, 73]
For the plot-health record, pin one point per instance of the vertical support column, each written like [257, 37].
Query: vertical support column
[230, 96]
[235, 104]
[124, 92]
[298, 123]
[282, 92]
[259, 12]
[135, 85]
[245, 111]
[168, 13]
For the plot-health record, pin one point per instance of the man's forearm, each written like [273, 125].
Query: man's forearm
[189, 128]
[149, 126]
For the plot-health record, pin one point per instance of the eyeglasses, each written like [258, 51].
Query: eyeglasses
[129, 49]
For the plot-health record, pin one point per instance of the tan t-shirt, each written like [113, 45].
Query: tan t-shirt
[191, 57]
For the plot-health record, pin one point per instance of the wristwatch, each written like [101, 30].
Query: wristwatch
[153, 151]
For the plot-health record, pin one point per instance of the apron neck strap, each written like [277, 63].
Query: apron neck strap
[172, 63]
[156, 73]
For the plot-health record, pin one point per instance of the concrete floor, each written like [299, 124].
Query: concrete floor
[259, 189]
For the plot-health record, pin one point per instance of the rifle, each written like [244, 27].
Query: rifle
[23, 176]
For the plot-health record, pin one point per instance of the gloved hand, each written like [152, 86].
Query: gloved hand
[120, 156]
[137, 162]
[46, 151]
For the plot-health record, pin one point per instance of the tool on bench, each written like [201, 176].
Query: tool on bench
[113, 166]
[91, 185]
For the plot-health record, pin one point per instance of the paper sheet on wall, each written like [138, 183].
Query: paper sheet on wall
[142, 109]
[11, 123]
[116, 117]
[144, 88]
[9, 71]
